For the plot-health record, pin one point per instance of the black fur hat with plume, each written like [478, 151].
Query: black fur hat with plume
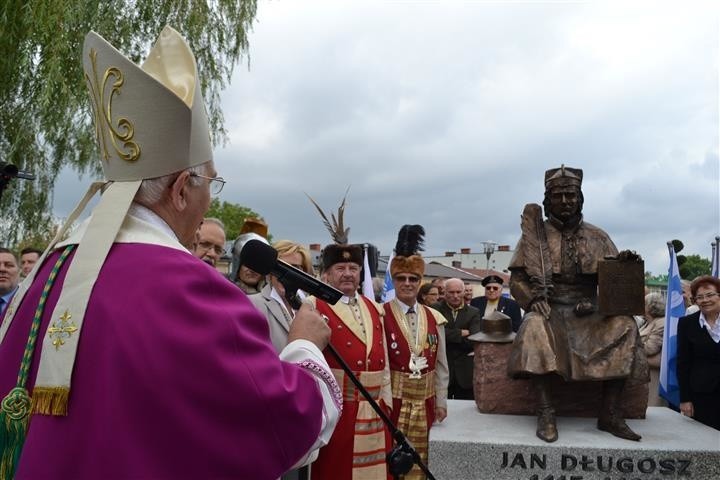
[407, 257]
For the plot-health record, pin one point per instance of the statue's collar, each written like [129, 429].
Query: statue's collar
[571, 225]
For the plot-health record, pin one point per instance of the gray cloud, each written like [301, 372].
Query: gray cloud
[447, 114]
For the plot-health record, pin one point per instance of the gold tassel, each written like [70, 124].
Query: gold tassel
[50, 400]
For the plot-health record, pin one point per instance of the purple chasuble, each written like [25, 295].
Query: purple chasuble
[175, 378]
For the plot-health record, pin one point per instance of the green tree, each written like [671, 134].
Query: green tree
[694, 266]
[45, 119]
[232, 215]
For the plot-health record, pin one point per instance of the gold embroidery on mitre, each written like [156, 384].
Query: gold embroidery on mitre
[124, 130]
[60, 331]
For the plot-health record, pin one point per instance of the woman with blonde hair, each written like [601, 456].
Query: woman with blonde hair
[271, 299]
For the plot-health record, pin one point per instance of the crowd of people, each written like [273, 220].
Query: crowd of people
[200, 377]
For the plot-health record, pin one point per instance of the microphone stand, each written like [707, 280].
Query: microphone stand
[403, 455]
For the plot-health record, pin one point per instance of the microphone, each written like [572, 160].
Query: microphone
[262, 258]
[9, 171]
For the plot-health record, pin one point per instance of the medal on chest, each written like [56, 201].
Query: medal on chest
[415, 339]
[417, 364]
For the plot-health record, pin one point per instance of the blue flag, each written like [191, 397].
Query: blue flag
[388, 288]
[674, 309]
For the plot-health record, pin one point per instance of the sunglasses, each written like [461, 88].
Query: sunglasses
[492, 289]
[406, 278]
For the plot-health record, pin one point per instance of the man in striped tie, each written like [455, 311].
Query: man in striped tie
[416, 347]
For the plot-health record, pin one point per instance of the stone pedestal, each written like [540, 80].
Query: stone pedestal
[495, 392]
[470, 445]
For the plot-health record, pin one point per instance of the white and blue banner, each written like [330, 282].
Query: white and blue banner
[388, 288]
[674, 309]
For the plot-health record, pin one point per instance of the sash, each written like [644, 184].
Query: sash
[413, 419]
[369, 447]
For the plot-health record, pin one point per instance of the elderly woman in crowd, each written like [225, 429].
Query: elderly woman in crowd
[428, 294]
[698, 362]
[271, 300]
[651, 335]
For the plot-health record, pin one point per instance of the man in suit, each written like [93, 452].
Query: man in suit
[9, 277]
[271, 300]
[28, 258]
[494, 300]
[468, 295]
[210, 244]
[459, 349]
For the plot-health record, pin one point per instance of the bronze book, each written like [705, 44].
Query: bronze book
[621, 287]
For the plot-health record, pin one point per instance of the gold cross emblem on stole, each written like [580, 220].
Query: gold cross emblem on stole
[59, 332]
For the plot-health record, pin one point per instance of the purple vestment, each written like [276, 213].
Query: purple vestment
[175, 378]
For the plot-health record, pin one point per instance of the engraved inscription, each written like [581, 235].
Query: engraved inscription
[575, 467]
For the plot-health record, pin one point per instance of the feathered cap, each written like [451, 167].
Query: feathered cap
[407, 258]
[563, 177]
[340, 251]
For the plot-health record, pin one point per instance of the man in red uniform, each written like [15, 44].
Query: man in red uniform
[416, 348]
[361, 441]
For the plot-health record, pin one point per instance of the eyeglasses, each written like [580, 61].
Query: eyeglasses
[216, 183]
[406, 278]
[708, 296]
[492, 289]
[209, 246]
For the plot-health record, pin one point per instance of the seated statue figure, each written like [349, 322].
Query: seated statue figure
[554, 278]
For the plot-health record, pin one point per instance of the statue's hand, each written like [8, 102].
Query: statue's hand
[628, 256]
[542, 307]
[584, 307]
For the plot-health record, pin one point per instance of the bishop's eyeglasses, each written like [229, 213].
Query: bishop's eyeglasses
[216, 183]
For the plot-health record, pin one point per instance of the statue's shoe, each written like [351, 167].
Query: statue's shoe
[619, 428]
[546, 426]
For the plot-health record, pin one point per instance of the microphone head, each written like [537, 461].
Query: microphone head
[258, 256]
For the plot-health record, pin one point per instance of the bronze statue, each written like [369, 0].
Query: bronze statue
[554, 278]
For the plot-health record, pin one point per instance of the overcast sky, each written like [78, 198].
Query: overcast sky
[448, 113]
